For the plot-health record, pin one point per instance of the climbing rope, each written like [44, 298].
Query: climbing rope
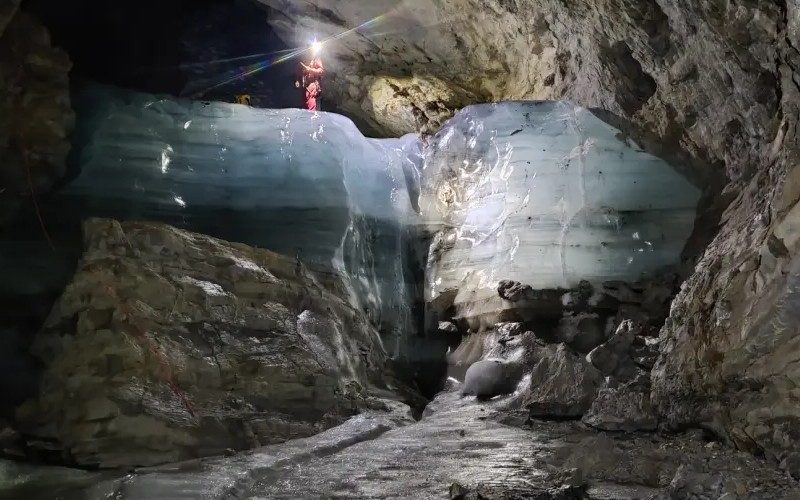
[35, 202]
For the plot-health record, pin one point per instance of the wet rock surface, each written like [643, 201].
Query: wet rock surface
[623, 406]
[460, 450]
[170, 345]
[577, 367]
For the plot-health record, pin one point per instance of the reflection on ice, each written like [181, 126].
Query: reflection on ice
[547, 194]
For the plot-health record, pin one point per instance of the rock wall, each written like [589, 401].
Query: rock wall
[410, 65]
[720, 80]
[169, 345]
[715, 82]
[35, 113]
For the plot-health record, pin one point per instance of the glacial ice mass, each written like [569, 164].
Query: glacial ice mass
[544, 192]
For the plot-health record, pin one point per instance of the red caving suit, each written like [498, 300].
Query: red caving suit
[311, 82]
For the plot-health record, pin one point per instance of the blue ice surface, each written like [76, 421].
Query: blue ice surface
[548, 194]
[540, 192]
[300, 183]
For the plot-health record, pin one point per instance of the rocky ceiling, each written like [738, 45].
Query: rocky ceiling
[411, 63]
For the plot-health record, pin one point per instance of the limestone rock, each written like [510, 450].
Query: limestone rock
[513, 290]
[716, 82]
[562, 384]
[729, 350]
[169, 345]
[691, 480]
[609, 356]
[509, 330]
[35, 113]
[623, 406]
[644, 352]
[791, 464]
[423, 60]
[647, 62]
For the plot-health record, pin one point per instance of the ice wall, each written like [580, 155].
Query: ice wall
[542, 193]
[299, 183]
[547, 194]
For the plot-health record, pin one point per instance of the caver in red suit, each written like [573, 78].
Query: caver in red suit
[312, 75]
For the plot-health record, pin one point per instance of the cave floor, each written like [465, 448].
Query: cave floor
[459, 449]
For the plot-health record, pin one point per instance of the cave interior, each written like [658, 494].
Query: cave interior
[522, 249]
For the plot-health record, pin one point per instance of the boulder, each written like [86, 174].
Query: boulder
[612, 354]
[169, 345]
[488, 378]
[508, 331]
[447, 328]
[562, 384]
[791, 464]
[513, 290]
[623, 406]
[644, 352]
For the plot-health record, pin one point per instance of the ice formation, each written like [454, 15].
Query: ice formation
[540, 192]
[547, 194]
[304, 184]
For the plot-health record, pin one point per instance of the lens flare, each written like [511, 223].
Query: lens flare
[314, 48]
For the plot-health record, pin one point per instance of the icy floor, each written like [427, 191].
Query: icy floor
[459, 443]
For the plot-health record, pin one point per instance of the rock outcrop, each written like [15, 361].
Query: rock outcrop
[623, 406]
[562, 384]
[35, 113]
[544, 380]
[613, 356]
[169, 345]
[731, 346]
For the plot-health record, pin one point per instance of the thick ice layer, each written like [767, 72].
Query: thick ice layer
[542, 193]
[547, 194]
[300, 183]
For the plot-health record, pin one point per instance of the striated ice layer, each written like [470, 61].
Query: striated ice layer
[542, 193]
[303, 184]
[547, 194]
